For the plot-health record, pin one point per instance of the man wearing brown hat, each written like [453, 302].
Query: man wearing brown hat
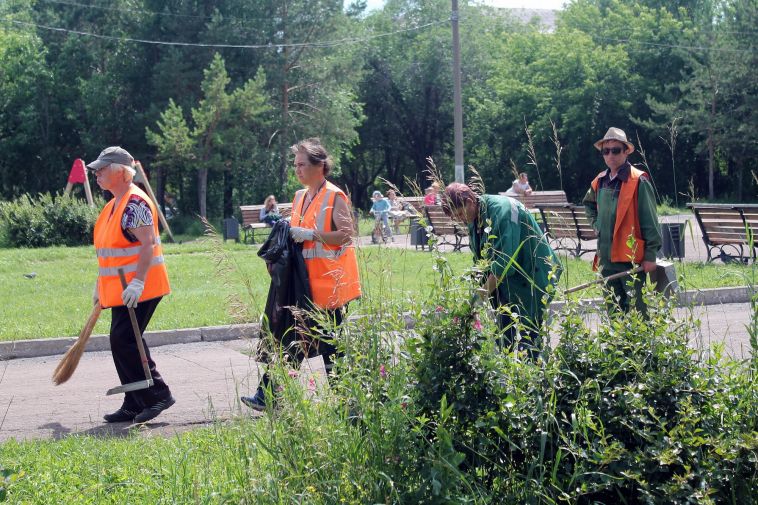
[127, 239]
[621, 206]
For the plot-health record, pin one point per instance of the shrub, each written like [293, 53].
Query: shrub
[48, 221]
[628, 413]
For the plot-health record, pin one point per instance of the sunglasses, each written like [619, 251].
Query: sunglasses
[612, 150]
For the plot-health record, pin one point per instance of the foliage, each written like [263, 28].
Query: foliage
[48, 220]
[622, 413]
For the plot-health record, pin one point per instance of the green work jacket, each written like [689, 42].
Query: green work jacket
[511, 231]
[600, 208]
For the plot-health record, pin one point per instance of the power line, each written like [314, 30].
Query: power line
[270, 45]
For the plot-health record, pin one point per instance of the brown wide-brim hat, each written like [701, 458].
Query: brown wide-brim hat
[614, 134]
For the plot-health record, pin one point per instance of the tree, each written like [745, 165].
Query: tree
[227, 130]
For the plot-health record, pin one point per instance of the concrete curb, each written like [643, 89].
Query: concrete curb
[710, 296]
[55, 346]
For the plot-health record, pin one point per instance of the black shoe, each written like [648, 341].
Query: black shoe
[256, 402]
[152, 412]
[122, 415]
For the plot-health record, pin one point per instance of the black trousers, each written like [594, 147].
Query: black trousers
[127, 359]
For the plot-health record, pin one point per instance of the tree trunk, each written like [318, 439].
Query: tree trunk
[228, 194]
[202, 191]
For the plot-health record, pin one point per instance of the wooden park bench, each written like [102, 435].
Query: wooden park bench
[730, 230]
[537, 198]
[251, 222]
[568, 227]
[444, 227]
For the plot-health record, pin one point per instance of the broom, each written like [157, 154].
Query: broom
[70, 360]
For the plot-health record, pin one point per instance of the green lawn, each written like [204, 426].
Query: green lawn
[56, 302]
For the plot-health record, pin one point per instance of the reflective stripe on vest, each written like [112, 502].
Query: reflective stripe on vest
[119, 252]
[132, 267]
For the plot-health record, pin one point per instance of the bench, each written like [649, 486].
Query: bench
[729, 229]
[445, 227]
[251, 222]
[537, 198]
[567, 226]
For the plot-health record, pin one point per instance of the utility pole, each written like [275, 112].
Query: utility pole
[458, 110]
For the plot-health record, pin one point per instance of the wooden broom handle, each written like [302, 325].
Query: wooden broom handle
[135, 329]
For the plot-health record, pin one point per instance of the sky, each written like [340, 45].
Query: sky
[532, 4]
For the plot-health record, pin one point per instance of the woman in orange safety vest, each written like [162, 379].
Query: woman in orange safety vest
[126, 238]
[322, 220]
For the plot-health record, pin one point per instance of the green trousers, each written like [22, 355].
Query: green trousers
[622, 290]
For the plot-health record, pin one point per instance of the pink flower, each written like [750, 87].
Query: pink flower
[311, 384]
[477, 325]
[382, 372]
[293, 373]
[439, 309]
[456, 320]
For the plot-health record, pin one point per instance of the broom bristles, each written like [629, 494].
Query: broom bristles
[70, 360]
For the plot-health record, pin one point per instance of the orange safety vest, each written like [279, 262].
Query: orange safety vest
[627, 220]
[332, 269]
[114, 251]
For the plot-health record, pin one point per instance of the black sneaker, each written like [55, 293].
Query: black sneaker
[122, 415]
[152, 412]
[256, 402]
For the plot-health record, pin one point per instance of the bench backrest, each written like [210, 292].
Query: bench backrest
[537, 198]
[417, 202]
[566, 221]
[725, 223]
[441, 224]
[251, 213]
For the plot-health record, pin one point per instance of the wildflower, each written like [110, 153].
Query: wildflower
[311, 384]
[439, 309]
[477, 325]
[456, 320]
[382, 372]
[293, 373]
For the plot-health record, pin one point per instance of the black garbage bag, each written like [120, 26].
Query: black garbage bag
[289, 290]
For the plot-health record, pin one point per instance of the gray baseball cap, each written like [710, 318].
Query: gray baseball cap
[110, 155]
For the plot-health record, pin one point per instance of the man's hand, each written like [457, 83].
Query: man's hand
[133, 291]
[299, 234]
[96, 294]
[648, 266]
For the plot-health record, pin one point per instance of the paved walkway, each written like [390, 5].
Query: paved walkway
[206, 378]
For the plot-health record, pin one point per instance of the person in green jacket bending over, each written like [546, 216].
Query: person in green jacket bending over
[522, 263]
[620, 205]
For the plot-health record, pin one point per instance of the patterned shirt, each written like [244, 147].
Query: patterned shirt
[136, 214]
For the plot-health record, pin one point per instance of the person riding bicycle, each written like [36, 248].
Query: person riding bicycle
[381, 210]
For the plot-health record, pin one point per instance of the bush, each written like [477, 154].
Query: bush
[628, 413]
[48, 221]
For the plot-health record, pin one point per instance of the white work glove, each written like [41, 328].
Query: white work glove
[96, 294]
[133, 291]
[299, 234]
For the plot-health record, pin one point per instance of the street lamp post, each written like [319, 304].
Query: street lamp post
[458, 109]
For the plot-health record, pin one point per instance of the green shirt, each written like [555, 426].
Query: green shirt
[600, 208]
[513, 234]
